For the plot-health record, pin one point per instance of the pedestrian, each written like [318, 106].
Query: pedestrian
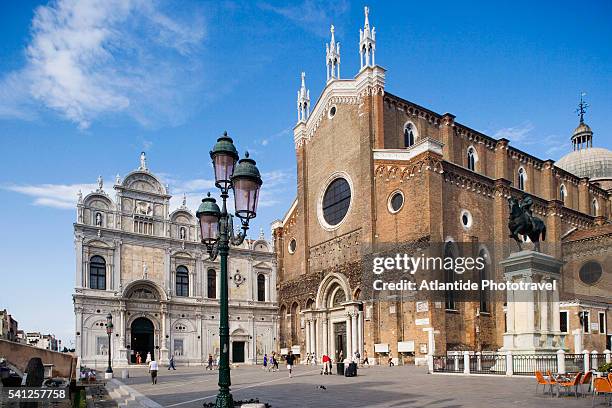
[357, 358]
[326, 365]
[148, 360]
[210, 362]
[138, 358]
[217, 362]
[391, 364]
[365, 357]
[171, 363]
[153, 367]
[265, 361]
[290, 360]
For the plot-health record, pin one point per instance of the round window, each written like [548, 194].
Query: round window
[466, 219]
[396, 201]
[590, 272]
[292, 245]
[332, 112]
[336, 201]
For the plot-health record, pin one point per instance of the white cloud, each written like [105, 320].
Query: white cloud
[88, 58]
[312, 15]
[64, 196]
[515, 134]
[61, 196]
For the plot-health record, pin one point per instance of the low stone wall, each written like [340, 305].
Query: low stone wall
[64, 365]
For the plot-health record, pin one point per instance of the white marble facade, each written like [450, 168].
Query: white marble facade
[146, 266]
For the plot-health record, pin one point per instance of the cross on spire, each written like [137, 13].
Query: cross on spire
[582, 107]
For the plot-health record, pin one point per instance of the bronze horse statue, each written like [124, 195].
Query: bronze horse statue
[522, 222]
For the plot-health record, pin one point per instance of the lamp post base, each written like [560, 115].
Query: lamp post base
[224, 401]
[108, 376]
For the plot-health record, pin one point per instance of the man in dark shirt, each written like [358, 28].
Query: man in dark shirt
[290, 360]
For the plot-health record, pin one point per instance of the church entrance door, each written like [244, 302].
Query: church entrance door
[237, 351]
[142, 339]
[340, 339]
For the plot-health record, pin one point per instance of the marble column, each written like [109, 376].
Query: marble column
[78, 243]
[313, 340]
[360, 333]
[349, 336]
[325, 336]
[307, 336]
[79, 329]
[354, 334]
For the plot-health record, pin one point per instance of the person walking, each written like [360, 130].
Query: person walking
[153, 368]
[138, 358]
[171, 363]
[290, 360]
[365, 358]
[357, 358]
[148, 360]
[210, 362]
[265, 361]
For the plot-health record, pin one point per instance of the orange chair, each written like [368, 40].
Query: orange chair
[575, 383]
[542, 381]
[601, 386]
[586, 379]
[551, 379]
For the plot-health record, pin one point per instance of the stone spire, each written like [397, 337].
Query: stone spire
[333, 57]
[303, 101]
[367, 42]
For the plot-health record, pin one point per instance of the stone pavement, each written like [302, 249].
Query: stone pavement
[408, 386]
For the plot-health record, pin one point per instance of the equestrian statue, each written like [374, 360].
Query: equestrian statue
[521, 221]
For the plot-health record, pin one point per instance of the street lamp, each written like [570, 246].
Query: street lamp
[109, 331]
[217, 230]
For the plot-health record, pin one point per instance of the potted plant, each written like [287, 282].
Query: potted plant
[605, 368]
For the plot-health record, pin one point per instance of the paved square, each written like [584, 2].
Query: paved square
[408, 386]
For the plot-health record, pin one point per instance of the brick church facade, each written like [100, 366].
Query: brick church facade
[374, 168]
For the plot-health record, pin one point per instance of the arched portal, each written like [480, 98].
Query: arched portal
[142, 341]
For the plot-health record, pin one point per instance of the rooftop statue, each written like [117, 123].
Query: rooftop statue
[521, 221]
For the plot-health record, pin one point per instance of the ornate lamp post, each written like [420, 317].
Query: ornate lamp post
[217, 230]
[109, 331]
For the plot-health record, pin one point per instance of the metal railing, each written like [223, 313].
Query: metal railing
[448, 364]
[528, 364]
[597, 360]
[488, 364]
[574, 362]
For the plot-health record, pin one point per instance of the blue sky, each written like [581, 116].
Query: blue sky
[85, 86]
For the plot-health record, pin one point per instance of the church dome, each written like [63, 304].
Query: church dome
[593, 162]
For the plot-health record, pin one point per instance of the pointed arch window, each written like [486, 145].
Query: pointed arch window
[594, 207]
[409, 136]
[484, 275]
[562, 193]
[522, 177]
[182, 281]
[471, 159]
[261, 287]
[211, 284]
[97, 273]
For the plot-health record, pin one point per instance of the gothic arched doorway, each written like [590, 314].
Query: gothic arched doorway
[142, 341]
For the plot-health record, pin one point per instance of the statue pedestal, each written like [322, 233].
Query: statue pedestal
[532, 316]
